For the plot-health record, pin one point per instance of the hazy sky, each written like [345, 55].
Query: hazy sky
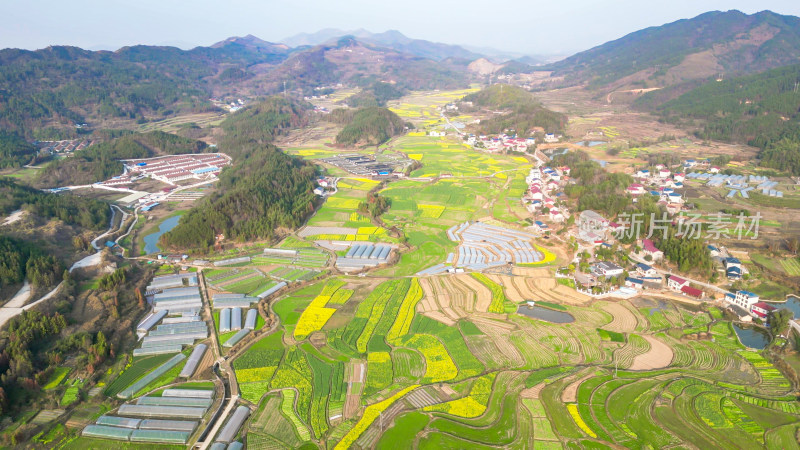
[533, 26]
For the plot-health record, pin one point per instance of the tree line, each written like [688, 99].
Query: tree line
[21, 260]
[592, 187]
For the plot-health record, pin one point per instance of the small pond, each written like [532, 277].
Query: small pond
[546, 314]
[591, 143]
[752, 337]
[151, 240]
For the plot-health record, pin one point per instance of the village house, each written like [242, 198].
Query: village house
[743, 299]
[556, 215]
[607, 269]
[761, 310]
[636, 189]
[636, 283]
[676, 283]
[650, 249]
[645, 271]
[733, 268]
[693, 292]
[551, 138]
[585, 280]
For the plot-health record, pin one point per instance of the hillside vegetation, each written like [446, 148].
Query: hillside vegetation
[44, 92]
[371, 126]
[375, 94]
[70, 209]
[525, 113]
[102, 161]
[263, 191]
[736, 43]
[762, 110]
[14, 150]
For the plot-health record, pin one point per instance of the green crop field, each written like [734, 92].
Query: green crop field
[390, 357]
[139, 367]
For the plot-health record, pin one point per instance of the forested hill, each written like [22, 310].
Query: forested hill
[44, 93]
[263, 191]
[762, 110]
[71, 209]
[369, 126]
[524, 113]
[102, 161]
[57, 87]
[353, 62]
[729, 42]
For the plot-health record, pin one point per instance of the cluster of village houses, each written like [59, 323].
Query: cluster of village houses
[661, 183]
[506, 142]
[233, 106]
[643, 276]
[543, 186]
[502, 142]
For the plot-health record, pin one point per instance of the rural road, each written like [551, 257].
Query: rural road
[664, 272]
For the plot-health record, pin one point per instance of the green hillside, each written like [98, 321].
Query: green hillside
[524, 114]
[371, 126]
[762, 110]
[738, 43]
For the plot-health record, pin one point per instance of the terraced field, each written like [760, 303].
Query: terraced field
[503, 379]
[398, 359]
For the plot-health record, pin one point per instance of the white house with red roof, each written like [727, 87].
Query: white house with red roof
[676, 283]
[650, 249]
[664, 173]
[556, 215]
[762, 309]
[678, 177]
[636, 189]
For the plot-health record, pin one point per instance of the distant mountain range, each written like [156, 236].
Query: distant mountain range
[398, 41]
[53, 88]
[727, 43]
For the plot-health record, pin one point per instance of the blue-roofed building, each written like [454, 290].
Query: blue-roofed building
[743, 299]
[645, 270]
[636, 283]
[734, 273]
[541, 224]
[205, 169]
[732, 262]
